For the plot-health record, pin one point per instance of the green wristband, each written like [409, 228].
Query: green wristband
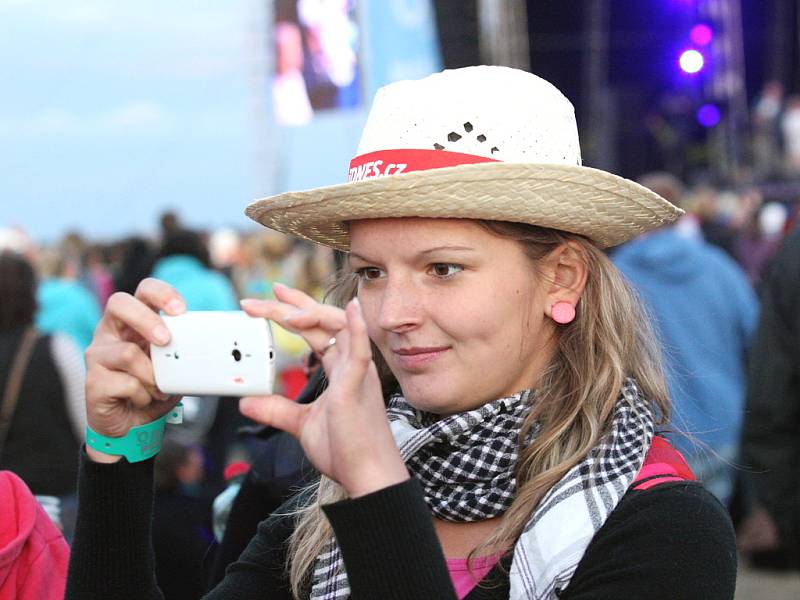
[140, 443]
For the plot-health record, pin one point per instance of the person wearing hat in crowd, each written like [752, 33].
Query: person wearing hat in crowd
[490, 424]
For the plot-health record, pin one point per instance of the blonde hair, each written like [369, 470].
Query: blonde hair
[609, 340]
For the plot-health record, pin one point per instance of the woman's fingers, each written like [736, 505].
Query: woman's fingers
[160, 295]
[276, 411]
[297, 308]
[123, 310]
[295, 318]
[130, 358]
[280, 312]
[137, 312]
[102, 383]
[322, 316]
[266, 309]
[293, 296]
[359, 344]
[289, 301]
[316, 324]
[356, 354]
[347, 361]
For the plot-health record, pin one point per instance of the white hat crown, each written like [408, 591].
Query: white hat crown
[494, 112]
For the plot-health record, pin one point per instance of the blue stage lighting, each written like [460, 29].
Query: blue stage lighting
[691, 61]
[708, 115]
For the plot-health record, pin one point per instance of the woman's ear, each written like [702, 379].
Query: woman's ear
[567, 269]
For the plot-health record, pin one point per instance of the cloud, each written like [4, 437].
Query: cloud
[130, 118]
[6, 4]
[137, 115]
[179, 39]
[144, 16]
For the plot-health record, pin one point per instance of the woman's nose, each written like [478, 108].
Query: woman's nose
[400, 307]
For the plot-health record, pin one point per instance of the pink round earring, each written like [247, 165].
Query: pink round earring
[563, 312]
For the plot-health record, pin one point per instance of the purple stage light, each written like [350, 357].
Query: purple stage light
[701, 34]
[691, 61]
[708, 115]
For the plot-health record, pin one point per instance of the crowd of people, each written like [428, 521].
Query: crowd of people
[57, 293]
[719, 286]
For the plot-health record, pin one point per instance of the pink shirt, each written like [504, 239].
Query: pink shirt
[463, 579]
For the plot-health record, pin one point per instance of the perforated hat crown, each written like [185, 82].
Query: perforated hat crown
[479, 143]
[483, 111]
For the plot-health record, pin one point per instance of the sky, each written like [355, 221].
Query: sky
[112, 111]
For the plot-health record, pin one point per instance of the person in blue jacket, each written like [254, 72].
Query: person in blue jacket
[705, 312]
[66, 306]
[185, 264]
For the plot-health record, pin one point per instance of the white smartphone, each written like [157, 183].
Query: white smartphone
[215, 353]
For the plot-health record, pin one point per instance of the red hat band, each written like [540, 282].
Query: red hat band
[393, 162]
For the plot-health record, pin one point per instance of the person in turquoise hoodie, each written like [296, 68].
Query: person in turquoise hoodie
[705, 312]
[184, 263]
[66, 306]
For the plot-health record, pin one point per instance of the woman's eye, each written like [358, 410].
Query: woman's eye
[368, 273]
[445, 269]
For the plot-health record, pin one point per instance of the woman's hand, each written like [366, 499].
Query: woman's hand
[345, 432]
[120, 386]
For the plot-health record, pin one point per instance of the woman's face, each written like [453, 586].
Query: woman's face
[457, 312]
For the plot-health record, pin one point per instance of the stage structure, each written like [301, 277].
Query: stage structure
[725, 89]
[503, 38]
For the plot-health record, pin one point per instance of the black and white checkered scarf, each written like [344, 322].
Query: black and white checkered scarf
[466, 462]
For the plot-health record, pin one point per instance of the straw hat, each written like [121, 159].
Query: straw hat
[479, 143]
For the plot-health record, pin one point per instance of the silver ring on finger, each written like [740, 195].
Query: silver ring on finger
[331, 343]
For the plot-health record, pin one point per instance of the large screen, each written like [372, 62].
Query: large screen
[316, 58]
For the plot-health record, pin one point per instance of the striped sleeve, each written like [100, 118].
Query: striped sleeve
[72, 369]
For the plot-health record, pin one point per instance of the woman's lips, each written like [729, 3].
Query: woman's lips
[416, 357]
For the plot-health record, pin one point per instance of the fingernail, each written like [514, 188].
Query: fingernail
[252, 302]
[279, 285]
[161, 334]
[175, 306]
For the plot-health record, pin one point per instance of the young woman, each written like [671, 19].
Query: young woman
[488, 429]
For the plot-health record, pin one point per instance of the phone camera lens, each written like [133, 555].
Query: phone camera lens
[237, 356]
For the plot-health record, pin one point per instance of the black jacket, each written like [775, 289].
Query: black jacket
[771, 435]
[41, 446]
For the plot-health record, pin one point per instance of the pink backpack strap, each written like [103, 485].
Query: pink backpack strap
[663, 464]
